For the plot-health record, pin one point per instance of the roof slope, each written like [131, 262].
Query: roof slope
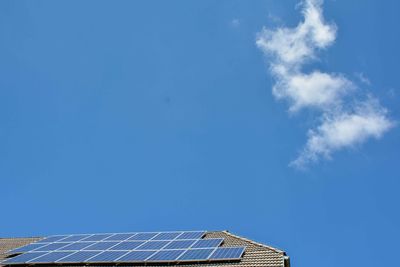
[256, 254]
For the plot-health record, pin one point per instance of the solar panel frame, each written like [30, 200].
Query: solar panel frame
[53, 246]
[97, 237]
[23, 258]
[107, 256]
[75, 238]
[191, 235]
[101, 246]
[127, 245]
[153, 245]
[54, 238]
[166, 255]
[50, 257]
[166, 236]
[79, 257]
[208, 243]
[136, 256]
[25, 248]
[76, 246]
[120, 237]
[180, 244]
[199, 254]
[227, 253]
[143, 236]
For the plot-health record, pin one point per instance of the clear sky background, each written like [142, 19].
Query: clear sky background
[158, 115]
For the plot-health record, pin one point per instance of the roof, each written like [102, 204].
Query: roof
[256, 255]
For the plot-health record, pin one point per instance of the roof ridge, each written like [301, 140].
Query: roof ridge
[254, 242]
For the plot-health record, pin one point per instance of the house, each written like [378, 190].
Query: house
[248, 252]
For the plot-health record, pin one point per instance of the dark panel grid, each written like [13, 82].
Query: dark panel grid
[196, 254]
[127, 245]
[101, 246]
[191, 235]
[80, 256]
[136, 256]
[77, 246]
[26, 248]
[166, 255]
[23, 258]
[208, 243]
[153, 245]
[53, 246]
[107, 256]
[180, 244]
[167, 236]
[97, 237]
[51, 239]
[119, 237]
[51, 257]
[74, 238]
[227, 253]
[143, 236]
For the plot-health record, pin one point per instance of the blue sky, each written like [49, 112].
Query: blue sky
[158, 115]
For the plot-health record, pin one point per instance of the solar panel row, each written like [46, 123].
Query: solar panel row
[176, 255]
[125, 236]
[123, 245]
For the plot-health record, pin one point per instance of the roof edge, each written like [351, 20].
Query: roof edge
[255, 243]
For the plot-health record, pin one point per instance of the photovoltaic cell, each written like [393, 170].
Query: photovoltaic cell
[79, 256]
[119, 237]
[107, 256]
[50, 257]
[136, 256]
[97, 237]
[166, 255]
[53, 246]
[143, 236]
[166, 236]
[180, 244]
[51, 239]
[196, 254]
[74, 238]
[152, 245]
[208, 243]
[26, 248]
[228, 253]
[24, 257]
[191, 235]
[127, 245]
[77, 246]
[101, 246]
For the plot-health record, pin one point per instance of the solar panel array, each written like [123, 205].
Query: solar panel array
[125, 248]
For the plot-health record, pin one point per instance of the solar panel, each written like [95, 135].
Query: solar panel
[74, 238]
[79, 256]
[127, 245]
[125, 248]
[166, 255]
[152, 245]
[26, 248]
[107, 256]
[97, 237]
[179, 244]
[143, 236]
[77, 246]
[53, 246]
[23, 258]
[208, 243]
[228, 253]
[196, 254]
[136, 256]
[119, 237]
[51, 239]
[192, 235]
[101, 246]
[166, 236]
[50, 257]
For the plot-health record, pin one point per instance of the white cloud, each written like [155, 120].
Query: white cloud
[289, 49]
[342, 130]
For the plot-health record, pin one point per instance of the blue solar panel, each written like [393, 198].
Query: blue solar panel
[51, 239]
[208, 243]
[23, 258]
[107, 256]
[26, 248]
[179, 244]
[50, 257]
[136, 256]
[166, 236]
[97, 237]
[74, 238]
[77, 246]
[152, 245]
[119, 237]
[101, 246]
[166, 255]
[196, 254]
[191, 235]
[53, 246]
[79, 256]
[127, 245]
[143, 236]
[228, 253]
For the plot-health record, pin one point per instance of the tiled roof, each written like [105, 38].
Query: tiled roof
[256, 254]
